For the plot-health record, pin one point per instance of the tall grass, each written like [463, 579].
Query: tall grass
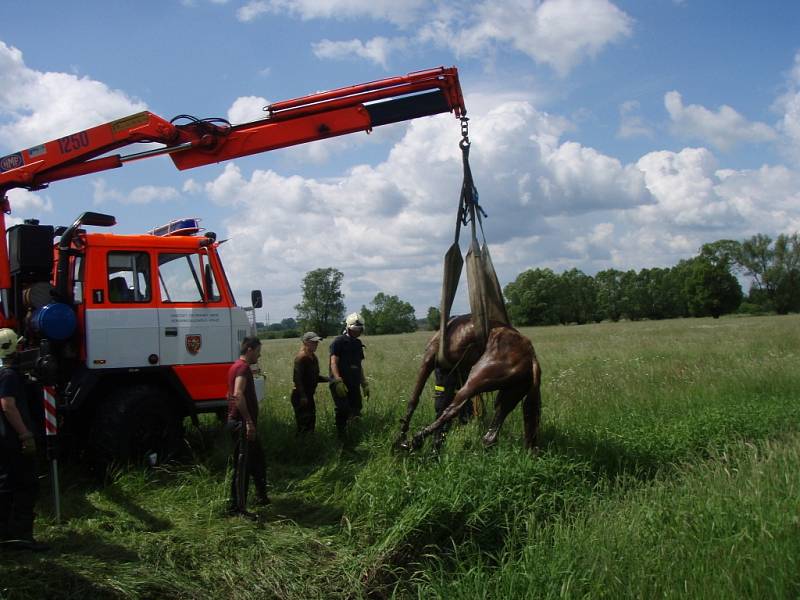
[668, 467]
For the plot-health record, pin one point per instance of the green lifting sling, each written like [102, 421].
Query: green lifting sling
[485, 295]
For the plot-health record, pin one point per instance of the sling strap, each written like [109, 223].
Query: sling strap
[485, 295]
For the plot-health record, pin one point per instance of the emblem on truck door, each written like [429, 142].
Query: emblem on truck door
[193, 343]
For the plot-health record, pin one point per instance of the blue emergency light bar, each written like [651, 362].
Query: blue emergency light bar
[178, 227]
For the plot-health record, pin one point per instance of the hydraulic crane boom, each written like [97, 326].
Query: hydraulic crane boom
[202, 142]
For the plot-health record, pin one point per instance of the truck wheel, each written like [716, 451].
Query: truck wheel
[136, 425]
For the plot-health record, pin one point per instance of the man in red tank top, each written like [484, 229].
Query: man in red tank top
[248, 456]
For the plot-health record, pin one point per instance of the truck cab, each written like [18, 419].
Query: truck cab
[128, 328]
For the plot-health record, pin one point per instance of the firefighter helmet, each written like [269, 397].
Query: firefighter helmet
[354, 320]
[8, 342]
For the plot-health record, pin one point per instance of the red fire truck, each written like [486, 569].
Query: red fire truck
[132, 333]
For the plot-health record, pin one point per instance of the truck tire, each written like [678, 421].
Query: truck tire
[136, 425]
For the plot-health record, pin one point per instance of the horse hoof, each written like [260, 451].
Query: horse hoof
[417, 441]
[490, 439]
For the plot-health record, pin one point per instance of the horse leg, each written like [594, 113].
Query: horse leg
[425, 371]
[532, 408]
[444, 391]
[506, 401]
[486, 375]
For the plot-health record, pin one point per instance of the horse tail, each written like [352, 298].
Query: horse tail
[532, 406]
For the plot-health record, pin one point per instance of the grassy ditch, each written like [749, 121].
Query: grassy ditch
[668, 468]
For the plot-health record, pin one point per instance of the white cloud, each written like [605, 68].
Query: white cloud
[400, 12]
[145, 194]
[559, 33]
[724, 128]
[599, 238]
[376, 50]
[39, 106]
[192, 3]
[27, 204]
[588, 180]
[683, 184]
[253, 10]
[692, 194]
[789, 105]
[631, 123]
[767, 198]
[190, 186]
[386, 226]
[550, 202]
[246, 109]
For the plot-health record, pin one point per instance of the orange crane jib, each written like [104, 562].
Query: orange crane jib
[201, 142]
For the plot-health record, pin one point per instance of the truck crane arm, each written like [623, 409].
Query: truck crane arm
[202, 142]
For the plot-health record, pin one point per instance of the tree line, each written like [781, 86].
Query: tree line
[704, 285]
[322, 307]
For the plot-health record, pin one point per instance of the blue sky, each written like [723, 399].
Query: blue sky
[605, 133]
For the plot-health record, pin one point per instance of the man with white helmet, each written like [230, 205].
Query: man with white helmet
[19, 485]
[347, 375]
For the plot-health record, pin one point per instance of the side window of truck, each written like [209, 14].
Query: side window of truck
[128, 277]
[179, 276]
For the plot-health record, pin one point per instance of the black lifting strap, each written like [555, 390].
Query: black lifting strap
[485, 296]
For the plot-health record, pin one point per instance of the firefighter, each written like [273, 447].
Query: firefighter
[347, 379]
[248, 455]
[306, 377]
[444, 391]
[19, 485]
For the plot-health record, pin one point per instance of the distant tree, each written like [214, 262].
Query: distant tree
[322, 307]
[533, 297]
[389, 314]
[433, 318]
[676, 304]
[285, 325]
[577, 297]
[609, 294]
[755, 259]
[775, 270]
[288, 323]
[723, 251]
[710, 288]
[785, 273]
[633, 303]
[662, 294]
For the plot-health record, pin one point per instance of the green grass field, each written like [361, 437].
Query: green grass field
[669, 467]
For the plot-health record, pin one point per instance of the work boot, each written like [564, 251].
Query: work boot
[245, 514]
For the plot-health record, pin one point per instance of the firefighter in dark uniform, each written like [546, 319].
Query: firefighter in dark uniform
[306, 377]
[19, 485]
[348, 381]
[444, 391]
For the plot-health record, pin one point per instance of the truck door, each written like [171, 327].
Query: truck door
[121, 321]
[194, 322]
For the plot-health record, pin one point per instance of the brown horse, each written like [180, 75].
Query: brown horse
[507, 363]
